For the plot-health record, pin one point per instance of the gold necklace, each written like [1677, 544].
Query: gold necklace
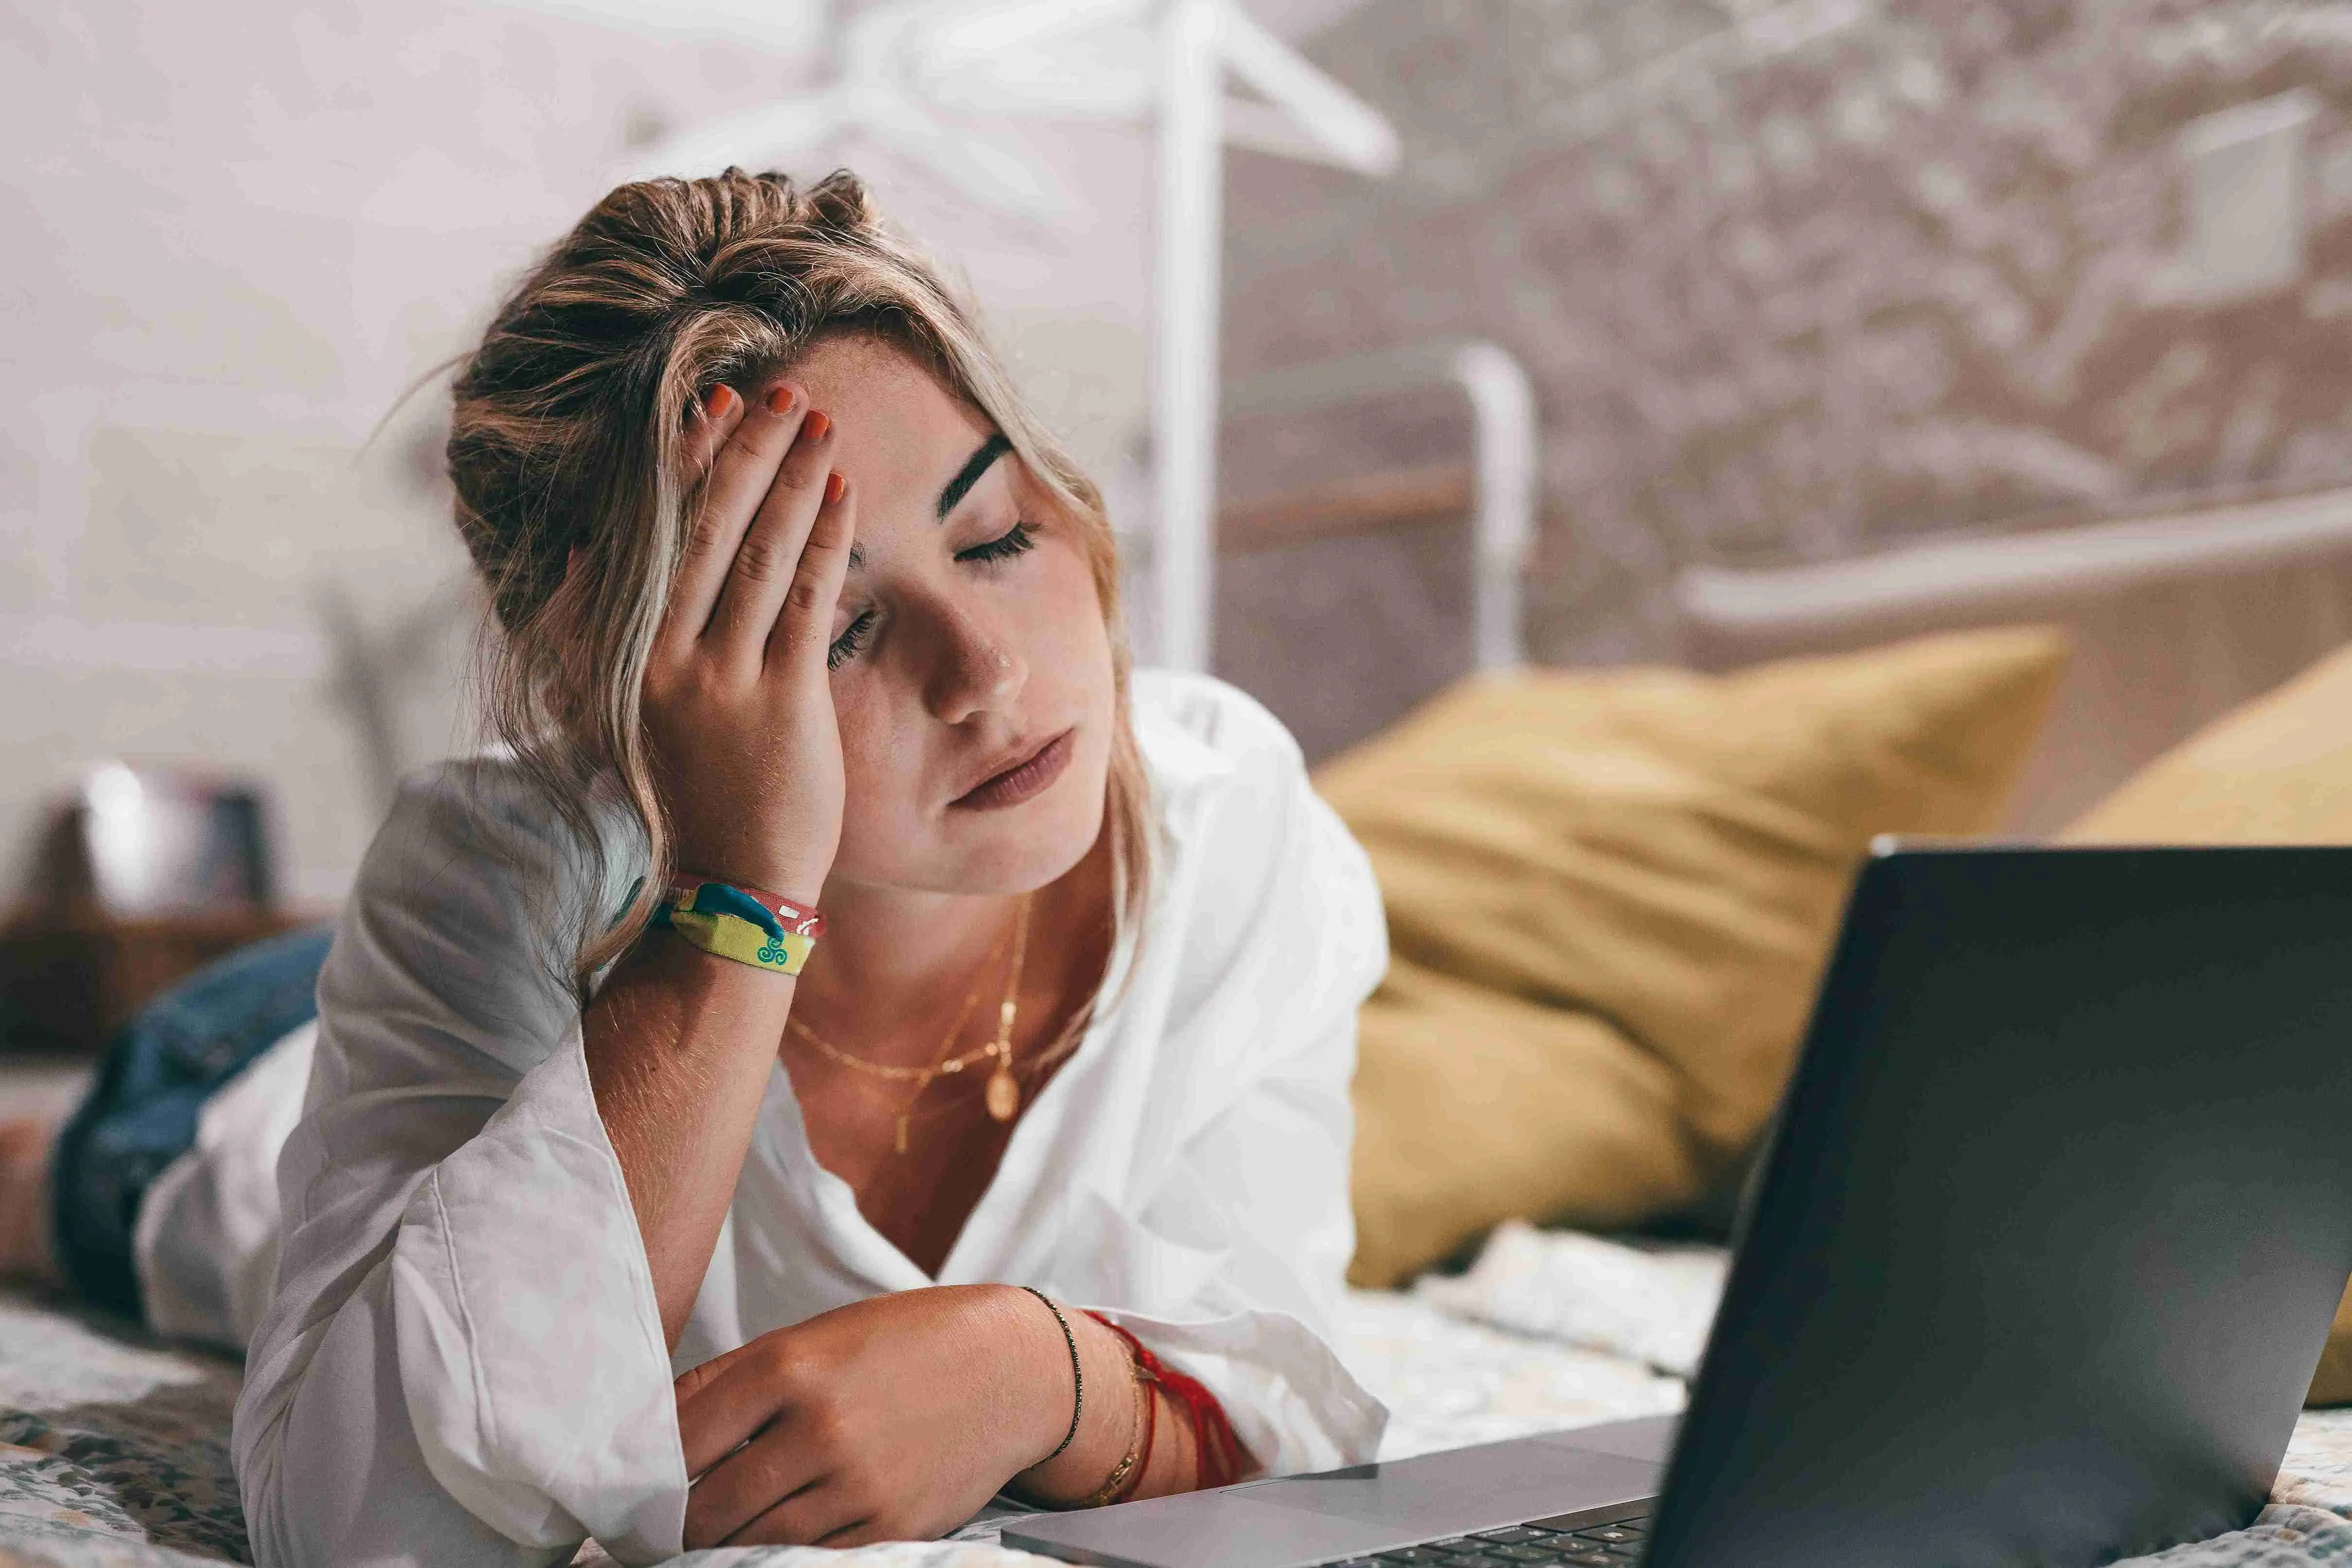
[1030, 1072]
[1003, 1091]
[905, 1112]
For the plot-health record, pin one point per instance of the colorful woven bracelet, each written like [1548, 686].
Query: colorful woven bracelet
[742, 923]
[799, 919]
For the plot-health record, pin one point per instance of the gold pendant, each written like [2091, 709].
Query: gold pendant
[1003, 1094]
[901, 1139]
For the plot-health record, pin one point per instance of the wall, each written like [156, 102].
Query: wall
[1797, 281]
[231, 242]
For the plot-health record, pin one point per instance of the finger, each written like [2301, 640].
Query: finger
[767, 560]
[708, 424]
[748, 1486]
[813, 1516]
[740, 472]
[735, 1400]
[716, 419]
[860, 1533]
[804, 629]
[690, 1383]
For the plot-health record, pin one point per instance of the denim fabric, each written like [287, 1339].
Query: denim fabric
[155, 1077]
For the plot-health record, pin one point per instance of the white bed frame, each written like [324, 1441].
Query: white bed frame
[1498, 489]
[2177, 614]
[2177, 618]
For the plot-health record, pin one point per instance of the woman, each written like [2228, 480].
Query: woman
[1032, 1179]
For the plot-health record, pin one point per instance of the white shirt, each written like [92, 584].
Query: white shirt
[462, 1361]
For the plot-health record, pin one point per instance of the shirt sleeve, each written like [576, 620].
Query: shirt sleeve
[1262, 1330]
[462, 1363]
[1231, 1266]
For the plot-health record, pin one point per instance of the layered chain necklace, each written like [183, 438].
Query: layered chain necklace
[1002, 1094]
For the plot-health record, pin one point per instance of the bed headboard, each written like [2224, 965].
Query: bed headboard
[2177, 615]
[2177, 618]
[1342, 601]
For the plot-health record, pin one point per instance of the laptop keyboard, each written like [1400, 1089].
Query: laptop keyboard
[1616, 1544]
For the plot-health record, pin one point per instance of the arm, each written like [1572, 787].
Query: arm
[898, 1419]
[498, 1213]
[455, 1242]
[674, 1055]
[740, 717]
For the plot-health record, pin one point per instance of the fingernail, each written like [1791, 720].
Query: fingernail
[836, 487]
[813, 427]
[782, 398]
[720, 402]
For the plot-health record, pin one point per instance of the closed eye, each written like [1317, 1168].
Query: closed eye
[853, 637]
[1015, 540]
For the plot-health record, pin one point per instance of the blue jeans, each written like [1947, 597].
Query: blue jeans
[155, 1076]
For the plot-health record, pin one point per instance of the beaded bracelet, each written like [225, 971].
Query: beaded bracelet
[740, 923]
[1077, 1375]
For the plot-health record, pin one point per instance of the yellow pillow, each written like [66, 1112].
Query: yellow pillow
[1474, 1106]
[1609, 895]
[2277, 770]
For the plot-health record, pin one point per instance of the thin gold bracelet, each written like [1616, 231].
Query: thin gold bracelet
[1117, 1479]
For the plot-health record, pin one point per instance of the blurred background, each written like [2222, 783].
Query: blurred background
[1582, 331]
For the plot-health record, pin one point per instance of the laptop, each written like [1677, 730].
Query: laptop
[2035, 1268]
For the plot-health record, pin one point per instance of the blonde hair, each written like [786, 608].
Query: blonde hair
[563, 442]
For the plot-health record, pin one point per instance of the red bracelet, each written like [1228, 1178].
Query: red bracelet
[1221, 1454]
[798, 918]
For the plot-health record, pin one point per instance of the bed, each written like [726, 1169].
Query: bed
[114, 1449]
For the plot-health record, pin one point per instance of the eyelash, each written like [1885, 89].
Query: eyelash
[853, 637]
[1018, 540]
[1015, 540]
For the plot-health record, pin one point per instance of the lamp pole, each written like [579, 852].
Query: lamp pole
[1184, 390]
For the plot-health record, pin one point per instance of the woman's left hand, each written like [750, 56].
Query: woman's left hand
[895, 1418]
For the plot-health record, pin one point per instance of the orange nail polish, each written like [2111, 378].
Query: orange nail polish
[781, 399]
[836, 487]
[720, 402]
[813, 427]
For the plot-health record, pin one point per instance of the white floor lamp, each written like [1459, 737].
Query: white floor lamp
[1303, 113]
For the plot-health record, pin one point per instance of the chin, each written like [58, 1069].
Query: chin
[1020, 848]
[985, 852]
[1033, 844]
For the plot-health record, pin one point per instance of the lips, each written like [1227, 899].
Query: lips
[1026, 775]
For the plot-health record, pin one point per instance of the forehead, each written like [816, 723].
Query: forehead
[900, 436]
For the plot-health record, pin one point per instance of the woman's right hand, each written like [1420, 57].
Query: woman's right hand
[738, 706]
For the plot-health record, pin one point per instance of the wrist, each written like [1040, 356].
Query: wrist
[1051, 1369]
[801, 885]
[795, 880]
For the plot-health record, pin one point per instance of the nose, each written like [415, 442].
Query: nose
[975, 671]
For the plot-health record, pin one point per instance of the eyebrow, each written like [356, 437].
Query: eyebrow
[995, 446]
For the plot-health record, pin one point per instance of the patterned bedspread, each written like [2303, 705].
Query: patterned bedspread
[114, 1452]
